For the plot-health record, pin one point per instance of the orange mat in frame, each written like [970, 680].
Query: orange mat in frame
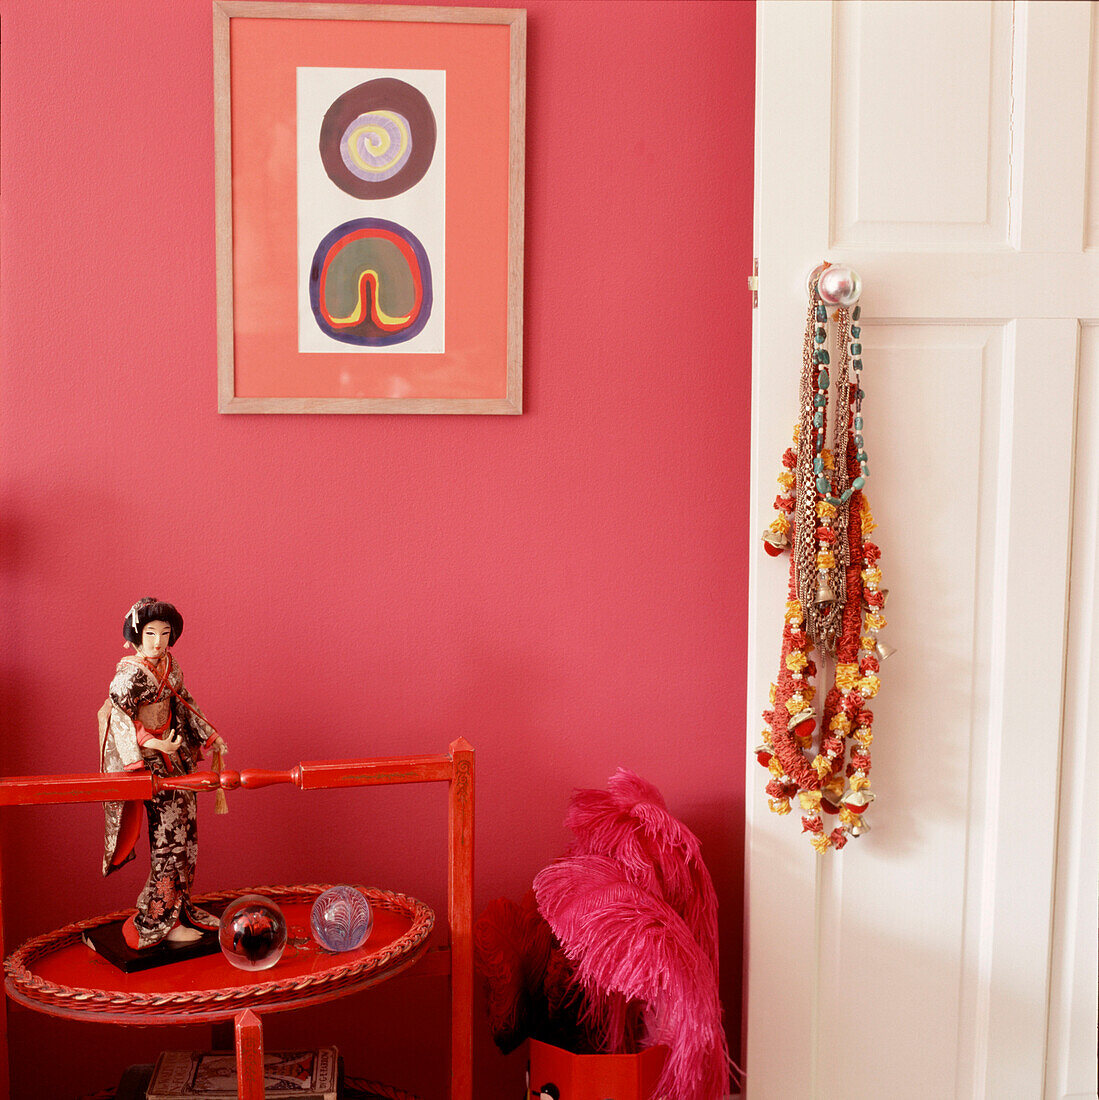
[264, 56]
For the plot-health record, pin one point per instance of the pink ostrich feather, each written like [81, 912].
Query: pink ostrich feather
[630, 823]
[624, 940]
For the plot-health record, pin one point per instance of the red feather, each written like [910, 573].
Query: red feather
[511, 946]
[563, 995]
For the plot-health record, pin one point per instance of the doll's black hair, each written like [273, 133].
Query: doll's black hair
[151, 610]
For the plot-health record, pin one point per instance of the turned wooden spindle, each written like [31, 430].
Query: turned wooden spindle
[253, 778]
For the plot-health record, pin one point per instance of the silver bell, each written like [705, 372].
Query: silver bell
[825, 592]
[859, 829]
[883, 651]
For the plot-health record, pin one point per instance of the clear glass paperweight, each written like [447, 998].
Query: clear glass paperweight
[252, 933]
[341, 919]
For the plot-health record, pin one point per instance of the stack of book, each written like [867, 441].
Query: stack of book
[212, 1075]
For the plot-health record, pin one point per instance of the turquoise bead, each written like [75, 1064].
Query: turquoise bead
[857, 364]
[862, 458]
[858, 483]
[858, 422]
[856, 349]
[856, 313]
[859, 442]
[860, 395]
[834, 500]
[818, 418]
[823, 485]
[822, 380]
[820, 399]
[819, 336]
[822, 313]
[846, 496]
[818, 464]
[822, 357]
[856, 332]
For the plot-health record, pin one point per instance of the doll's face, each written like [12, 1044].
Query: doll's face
[155, 637]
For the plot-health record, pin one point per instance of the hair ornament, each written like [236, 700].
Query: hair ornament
[135, 610]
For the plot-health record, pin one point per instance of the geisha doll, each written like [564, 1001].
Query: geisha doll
[150, 722]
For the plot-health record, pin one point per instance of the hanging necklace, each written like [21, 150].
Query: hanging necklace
[835, 598]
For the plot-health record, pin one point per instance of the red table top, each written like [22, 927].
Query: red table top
[60, 975]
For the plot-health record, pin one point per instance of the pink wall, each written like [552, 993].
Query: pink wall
[566, 588]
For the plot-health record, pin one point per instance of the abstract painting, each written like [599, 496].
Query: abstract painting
[371, 210]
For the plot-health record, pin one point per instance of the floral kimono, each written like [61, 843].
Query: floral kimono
[146, 704]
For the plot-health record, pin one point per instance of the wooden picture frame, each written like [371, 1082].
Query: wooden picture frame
[369, 207]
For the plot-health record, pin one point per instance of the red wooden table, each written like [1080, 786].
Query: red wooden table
[58, 974]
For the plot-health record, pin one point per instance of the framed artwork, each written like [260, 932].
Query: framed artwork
[369, 208]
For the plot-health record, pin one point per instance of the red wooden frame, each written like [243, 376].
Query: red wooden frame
[454, 959]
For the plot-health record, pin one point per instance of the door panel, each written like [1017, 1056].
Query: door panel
[922, 161]
[888, 937]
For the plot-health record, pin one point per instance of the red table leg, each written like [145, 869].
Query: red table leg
[460, 912]
[249, 1056]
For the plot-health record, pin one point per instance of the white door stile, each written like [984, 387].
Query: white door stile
[1031, 599]
[780, 910]
[1071, 1045]
[952, 951]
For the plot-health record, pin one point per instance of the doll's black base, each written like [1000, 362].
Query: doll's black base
[106, 941]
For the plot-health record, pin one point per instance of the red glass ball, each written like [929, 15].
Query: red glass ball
[252, 933]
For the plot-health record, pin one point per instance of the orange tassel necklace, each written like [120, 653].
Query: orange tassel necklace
[834, 600]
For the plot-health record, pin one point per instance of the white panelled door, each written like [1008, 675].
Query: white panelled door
[947, 152]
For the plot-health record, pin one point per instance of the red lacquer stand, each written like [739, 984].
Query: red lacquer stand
[57, 974]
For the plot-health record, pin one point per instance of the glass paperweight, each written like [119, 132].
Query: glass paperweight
[341, 919]
[252, 933]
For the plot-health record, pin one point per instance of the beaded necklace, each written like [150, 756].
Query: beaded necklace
[835, 598]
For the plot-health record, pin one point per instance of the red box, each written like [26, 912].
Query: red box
[561, 1075]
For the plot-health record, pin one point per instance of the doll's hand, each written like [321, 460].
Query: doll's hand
[219, 746]
[168, 744]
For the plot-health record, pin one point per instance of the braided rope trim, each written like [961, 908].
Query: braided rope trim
[18, 964]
